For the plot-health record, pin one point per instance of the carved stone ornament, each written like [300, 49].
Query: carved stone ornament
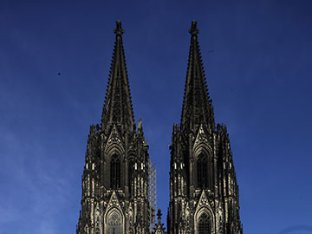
[114, 141]
[203, 201]
[114, 136]
[201, 137]
[113, 202]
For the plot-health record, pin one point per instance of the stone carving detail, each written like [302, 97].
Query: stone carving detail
[201, 136]
[127, 207]
[195, 136]
[109, 207]
[114, 137]
[114, 219]
[113, 202]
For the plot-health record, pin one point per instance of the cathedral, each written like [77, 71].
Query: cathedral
[118, 181]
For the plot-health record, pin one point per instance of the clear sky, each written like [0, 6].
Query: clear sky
[54, 63]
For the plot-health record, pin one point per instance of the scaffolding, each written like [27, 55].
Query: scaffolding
[152, 192]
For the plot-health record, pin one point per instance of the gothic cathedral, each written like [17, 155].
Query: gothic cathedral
[118, 179]
[203, 187]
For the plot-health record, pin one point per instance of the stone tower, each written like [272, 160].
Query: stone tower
[115, 178]
[203, 187]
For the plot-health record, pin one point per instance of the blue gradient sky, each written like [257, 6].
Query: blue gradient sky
[258, 63]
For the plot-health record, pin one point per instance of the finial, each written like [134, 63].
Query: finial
[194, 30]
[159, 214]
[118, 30]
[140, 124]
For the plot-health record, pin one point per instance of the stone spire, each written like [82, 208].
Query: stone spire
[118, 105]
[197, 107]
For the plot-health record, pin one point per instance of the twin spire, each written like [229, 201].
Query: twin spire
[118, 105]
[197, 107]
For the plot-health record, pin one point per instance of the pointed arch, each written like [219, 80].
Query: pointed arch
[114, 144]
[202, 174]
[204, 224]
[114, 222]
[204, 168]
[204, 220]
[131, 169]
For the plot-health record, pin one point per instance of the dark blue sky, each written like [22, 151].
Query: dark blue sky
[258, 63]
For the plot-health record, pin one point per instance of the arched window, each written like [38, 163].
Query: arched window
[114, 222]
[115, 172]
[202, 180]
[210, 176]
[130, 175]
[204, 224]
[205, 172]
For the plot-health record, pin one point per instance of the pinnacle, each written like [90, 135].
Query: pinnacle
[118, 30]
[118, 105]
[194, 30]
[159, 214]
[197, 107]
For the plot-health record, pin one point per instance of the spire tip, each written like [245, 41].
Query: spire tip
[118, 30]
[193, 30]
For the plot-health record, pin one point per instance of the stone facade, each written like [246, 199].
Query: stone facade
[203, 187]
[116, 178]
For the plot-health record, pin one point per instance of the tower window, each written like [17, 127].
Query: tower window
[115, 172]
[202, 174]
[205, 172]
[204, 224]
[130, 175]
[114, 222]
